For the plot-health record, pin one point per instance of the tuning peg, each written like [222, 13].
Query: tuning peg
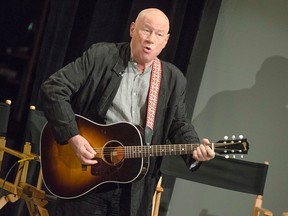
[241, 136]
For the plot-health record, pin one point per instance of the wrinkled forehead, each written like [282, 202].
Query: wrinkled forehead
[153, 18]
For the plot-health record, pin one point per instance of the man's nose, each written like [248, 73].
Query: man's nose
[151, 37]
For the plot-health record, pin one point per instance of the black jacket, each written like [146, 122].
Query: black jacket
[87, 87]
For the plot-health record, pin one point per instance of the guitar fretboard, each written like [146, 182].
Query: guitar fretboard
[234, 147]
[158, 150]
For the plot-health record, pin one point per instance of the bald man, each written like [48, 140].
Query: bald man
[110, 83]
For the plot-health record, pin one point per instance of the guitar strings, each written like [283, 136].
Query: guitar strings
[158, 148]
[216, 145]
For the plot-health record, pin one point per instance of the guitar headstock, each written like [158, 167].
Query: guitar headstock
[232, 146]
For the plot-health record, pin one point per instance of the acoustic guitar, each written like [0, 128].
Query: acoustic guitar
[122, 156]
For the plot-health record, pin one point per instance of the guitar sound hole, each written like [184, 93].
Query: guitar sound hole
[113, 152]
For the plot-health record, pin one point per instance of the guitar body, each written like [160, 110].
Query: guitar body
[65, 177]
[121, 154]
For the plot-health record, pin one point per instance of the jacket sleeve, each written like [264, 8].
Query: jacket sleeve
[181, 130]
[56, 93]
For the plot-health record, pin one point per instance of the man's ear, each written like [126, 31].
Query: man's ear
[167, 37]
[166, 40]
[132, 27]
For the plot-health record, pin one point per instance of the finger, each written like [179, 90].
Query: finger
[86, 161]
[87, 155]
[205, 141]
[197, 154]
[202, 151]
[87, 158]
[210, 152]
[90, 149]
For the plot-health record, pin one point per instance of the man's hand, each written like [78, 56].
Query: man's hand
[83, 150]
[203, 152]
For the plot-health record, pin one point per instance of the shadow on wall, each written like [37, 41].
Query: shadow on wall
[204, 212]
[260, 113]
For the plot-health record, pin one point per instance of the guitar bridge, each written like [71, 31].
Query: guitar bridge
[103, 169]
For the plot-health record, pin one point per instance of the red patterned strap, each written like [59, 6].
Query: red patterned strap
[155, 81]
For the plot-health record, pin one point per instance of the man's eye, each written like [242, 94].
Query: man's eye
[145, 31]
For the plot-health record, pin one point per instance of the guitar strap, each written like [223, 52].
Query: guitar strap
[155, 81]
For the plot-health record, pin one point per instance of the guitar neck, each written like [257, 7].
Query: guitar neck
[159, 150]
[239, 146]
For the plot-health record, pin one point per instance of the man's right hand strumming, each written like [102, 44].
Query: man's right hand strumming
[83, 150]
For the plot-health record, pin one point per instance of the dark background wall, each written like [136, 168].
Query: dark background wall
[38, 37]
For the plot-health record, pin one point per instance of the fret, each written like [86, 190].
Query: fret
[134, 151]
[147, 153]
[155, 150]
[158, 150]
[139, 151]
[143, 151]
[130, 155]
[171, 149]
[127, 151]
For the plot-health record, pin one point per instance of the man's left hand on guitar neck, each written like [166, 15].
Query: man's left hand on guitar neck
[203, 152]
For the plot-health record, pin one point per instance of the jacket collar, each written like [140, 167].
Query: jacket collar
[124, 56]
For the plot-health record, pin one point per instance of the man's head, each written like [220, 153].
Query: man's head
[149, 35]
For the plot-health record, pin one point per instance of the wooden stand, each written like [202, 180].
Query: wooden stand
[157, 198]
[33, 196]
